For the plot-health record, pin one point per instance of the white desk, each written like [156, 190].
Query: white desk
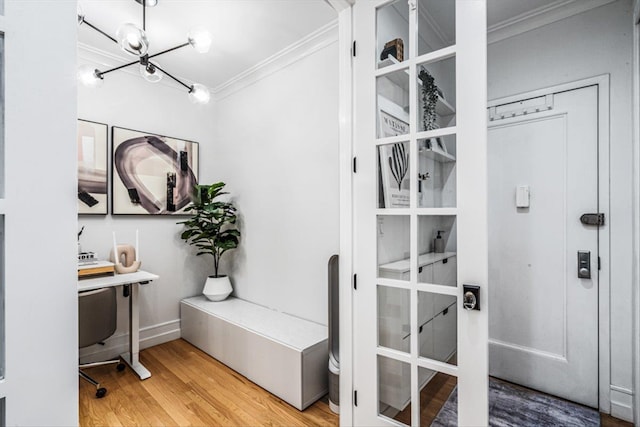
[132, 279]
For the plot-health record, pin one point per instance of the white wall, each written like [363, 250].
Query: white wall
[276, 147]
[41, 385]
[278, 153]
[587, 45]
[126, 100]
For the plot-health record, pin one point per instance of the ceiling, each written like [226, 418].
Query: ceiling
[245, 32]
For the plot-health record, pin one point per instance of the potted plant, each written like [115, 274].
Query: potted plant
[211, 230]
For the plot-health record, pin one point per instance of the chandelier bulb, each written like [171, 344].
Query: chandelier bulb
[80, 14]
[90, 76]
[200, 39]
[148, 3]
[199, 94]
[150, 72]
[132, 40]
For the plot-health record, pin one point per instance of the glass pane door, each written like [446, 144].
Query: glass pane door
[420, 203]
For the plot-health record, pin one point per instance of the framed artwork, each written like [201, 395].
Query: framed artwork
[393, 159]
[92, 168]
[394, 171]
[152, 174]
[392, 119]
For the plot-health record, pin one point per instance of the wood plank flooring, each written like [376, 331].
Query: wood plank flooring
[432, 398]
[609, 421]
[188, 388]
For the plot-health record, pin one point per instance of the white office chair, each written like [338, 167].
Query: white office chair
[97, 316]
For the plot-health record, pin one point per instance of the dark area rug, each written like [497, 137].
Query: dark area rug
[511, 405]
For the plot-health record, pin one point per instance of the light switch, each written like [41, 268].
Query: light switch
[522, 196]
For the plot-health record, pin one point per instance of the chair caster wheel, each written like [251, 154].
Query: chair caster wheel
[101, 392]
[120, 367]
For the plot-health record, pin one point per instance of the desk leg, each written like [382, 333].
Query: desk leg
[132, 357]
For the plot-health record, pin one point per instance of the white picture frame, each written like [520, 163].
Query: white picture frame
[393, 159]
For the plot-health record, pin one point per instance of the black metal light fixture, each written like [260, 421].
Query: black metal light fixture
[133, 40]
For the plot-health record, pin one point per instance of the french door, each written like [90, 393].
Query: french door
[420, 213]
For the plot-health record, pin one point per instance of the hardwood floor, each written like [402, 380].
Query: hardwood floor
[609, 421]
[432, 398]
[188, 388]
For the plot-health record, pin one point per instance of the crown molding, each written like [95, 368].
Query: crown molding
[556, 11]
[319, 39]
[340, 5]
[102, 57]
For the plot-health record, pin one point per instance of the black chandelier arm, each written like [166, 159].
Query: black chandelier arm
[169, 50]
[102, 73]
[84, 21]
[174, 78]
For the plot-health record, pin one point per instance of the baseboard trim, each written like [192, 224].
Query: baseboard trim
[118, 344]
[622, 403]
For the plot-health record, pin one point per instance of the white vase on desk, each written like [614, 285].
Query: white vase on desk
[217, 288]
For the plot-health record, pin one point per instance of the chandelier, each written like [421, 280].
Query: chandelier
[133, 40]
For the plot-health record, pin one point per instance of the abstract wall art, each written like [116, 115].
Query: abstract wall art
[152, 174]
[394, 175]
[92, 168]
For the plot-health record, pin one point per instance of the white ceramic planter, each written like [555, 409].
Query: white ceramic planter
[217, 288]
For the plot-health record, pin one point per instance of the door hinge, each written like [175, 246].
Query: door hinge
[599, 264]
[355, 281]
[353, 49]
[355, 165]
[355, 397]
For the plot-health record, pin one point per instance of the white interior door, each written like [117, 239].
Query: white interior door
[420, 146]
[544, 323]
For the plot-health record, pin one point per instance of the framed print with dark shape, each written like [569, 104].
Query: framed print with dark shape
[152, 174]
[393, 159]
[92, 168]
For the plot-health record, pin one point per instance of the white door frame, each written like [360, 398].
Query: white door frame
[604, 242]
[636, 212]
[345, 115]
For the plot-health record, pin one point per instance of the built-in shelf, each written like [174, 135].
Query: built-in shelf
[438, 156]
[390, 60]
[406, 330]
[443, 107]
[404, 265]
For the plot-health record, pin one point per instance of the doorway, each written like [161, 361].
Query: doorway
[546, 155]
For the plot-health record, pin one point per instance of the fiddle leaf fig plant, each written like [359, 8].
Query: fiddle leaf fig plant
[211, 228]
